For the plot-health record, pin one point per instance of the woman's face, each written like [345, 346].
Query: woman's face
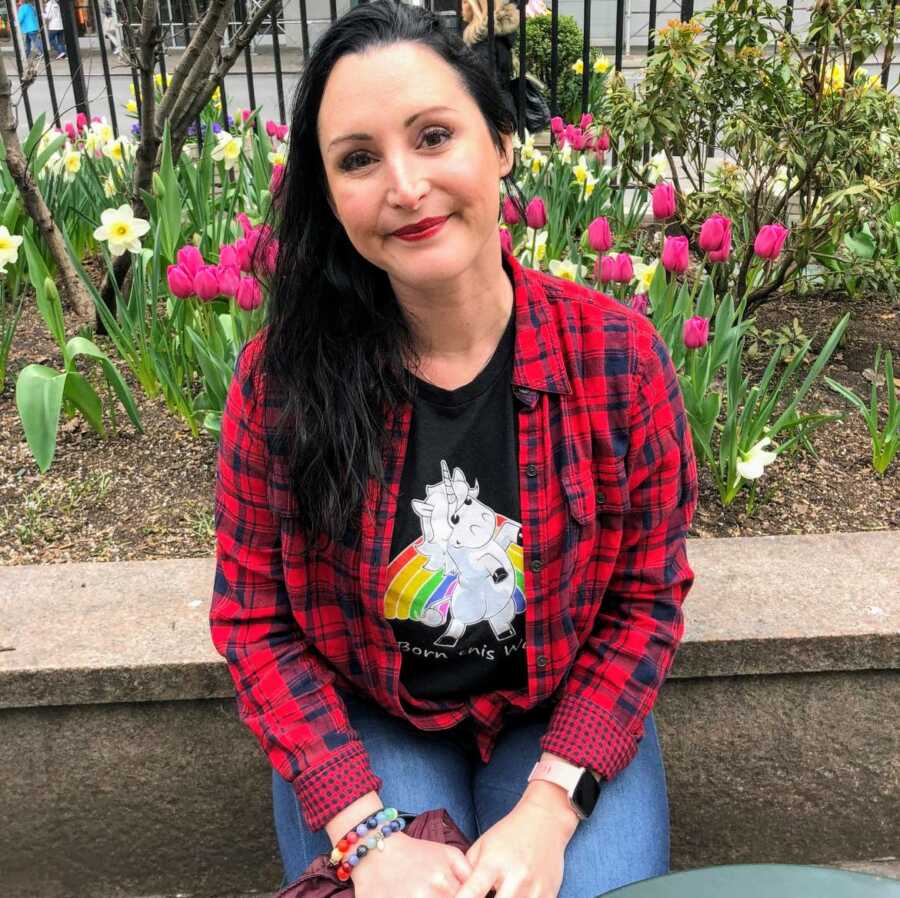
[410, 164]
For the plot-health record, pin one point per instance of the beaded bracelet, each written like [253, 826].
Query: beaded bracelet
[368, 835]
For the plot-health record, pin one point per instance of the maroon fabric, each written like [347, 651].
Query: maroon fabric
[320, 880]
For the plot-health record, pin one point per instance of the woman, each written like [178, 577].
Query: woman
[110, 27]
[451, 504]
[475, 34]
[55, 28]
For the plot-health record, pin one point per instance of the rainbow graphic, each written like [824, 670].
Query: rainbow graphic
[412, 589]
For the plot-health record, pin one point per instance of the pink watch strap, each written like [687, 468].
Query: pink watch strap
[562, 774]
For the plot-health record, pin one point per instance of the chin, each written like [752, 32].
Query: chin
[422, 265]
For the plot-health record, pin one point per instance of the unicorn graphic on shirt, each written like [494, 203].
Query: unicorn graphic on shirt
[460, 537]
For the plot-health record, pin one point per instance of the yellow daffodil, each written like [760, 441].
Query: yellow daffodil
[590, 182]
[104, 131]
[538, 161]
[277, 157]
[566, 269]
[581, 170]
[527, 148]
[227, 149]
[216, 98]
[131, 106]
[71, 162]
[834, 80]
[601, 65]
[578, 67]
[865, 81]
[121, 230]
[109, 187]
[644, 274]
[113, 150]
[9, 248]
[539, 243]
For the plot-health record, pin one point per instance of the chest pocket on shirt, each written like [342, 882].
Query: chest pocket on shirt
[595, 489]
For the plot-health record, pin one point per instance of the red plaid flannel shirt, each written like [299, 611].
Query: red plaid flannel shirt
[608, 487]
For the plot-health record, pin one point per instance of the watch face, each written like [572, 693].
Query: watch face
[586, 793]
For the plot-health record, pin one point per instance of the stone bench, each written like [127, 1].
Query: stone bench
[124, 769]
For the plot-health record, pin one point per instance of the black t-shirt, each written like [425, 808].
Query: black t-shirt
[455, 597]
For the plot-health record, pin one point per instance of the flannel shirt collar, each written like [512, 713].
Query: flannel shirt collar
[539, 365]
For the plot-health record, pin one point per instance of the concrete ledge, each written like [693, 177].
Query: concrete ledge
[124, 770]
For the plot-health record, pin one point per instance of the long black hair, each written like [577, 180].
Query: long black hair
[337, 347]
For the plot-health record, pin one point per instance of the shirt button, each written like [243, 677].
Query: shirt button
[601, 497]
[542, 661]
[536, 565]
[531, 470]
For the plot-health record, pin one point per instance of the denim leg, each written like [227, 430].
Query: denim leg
[625, 840]
[420, 771]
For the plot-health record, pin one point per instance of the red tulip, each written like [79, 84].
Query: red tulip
[557, 124]
[181, 283]
[506, 243]
[696, 332]
[206, 283]
[510, 211]
[249, 294]
[599, 235]
[536, 213]
[586, 121]
[189, 258]
[639, 303]
[675, 256]
[624, 268]
[605, 269]
[229, 278]
[770, 240]
[715, 237]
[663, 200]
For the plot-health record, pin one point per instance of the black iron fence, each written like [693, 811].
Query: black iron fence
[175, 17]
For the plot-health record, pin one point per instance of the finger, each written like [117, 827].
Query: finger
[513, 887]
[477, 885]
[460, 866]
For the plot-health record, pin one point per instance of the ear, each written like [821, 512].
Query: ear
[506, 154]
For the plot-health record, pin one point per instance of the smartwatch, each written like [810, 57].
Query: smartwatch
[582, 787]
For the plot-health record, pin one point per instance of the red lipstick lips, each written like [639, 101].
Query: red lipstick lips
[421, 230]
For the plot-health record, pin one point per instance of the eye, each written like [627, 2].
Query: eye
[468, 502]
[454, 519]
[356, 159]
[434, 137]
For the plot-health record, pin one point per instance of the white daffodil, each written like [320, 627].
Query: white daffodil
[109, 187]
[538, 161]
[752, 463]
[581, 170]
[121, 230]
[658, 167]
[527, 148]
[114, 150]
[71, 162]
[277, 157]
[590, 182]
[566, 269]
[539, 243]
[644, 275]
[9, 248]
[566, 152]
[601, 65]
[578, 67]
[104, 132]
[227, 149]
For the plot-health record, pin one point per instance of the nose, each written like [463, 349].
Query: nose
[406, 188]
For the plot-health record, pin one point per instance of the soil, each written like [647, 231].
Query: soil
[141, 496]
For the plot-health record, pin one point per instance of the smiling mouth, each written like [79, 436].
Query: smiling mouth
[421, 229]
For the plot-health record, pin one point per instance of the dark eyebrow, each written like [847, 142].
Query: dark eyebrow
[360, 136]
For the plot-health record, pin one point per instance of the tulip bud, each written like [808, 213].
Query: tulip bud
[71, 133]
[242, 219]
[206, 283]
[245, 114]
[159, 188]
[189, 259]
[586, 121]
[271, 128]
[181, 284]
[599, 235]
[557, 125]
[605, 269]
[603, 141]
[510, 211]
[277, 177]
[229, 278]
[696, 332]
[249, 294]
[770, 240]
[281, 131]
[506, 243]
[536, 213]
[715, 237]
[624, 269]
[640, 303]
[81, 121]
[675, 255]
[663, 200]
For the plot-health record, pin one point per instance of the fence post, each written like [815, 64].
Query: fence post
[687, 10]
[73, 57]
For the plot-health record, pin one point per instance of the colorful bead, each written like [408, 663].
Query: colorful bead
[351, 837]
[352, 860]
[345, 866]
[371, 841]
[381, 816]
[342, 874]
[362, 829]
[371, 822]
[401, 824]
[394, 825]
[381, 844]
[343, 845]
[386, 829]
[391, 813]
[336, 856]
[362, 851]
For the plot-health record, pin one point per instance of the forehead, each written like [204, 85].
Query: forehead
[387, 83]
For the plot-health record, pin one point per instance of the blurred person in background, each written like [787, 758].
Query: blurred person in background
[28, 25]
[53, 15]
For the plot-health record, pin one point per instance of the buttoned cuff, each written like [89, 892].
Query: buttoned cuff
[584, 734]
[325, 790]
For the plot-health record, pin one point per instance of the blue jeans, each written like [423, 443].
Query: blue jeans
[57, 41]
[33, 38]
[625, 840]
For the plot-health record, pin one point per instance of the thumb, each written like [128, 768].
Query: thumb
[460, 866]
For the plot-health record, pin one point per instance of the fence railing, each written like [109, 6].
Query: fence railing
[175, 19]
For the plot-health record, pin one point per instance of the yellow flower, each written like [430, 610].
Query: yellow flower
[834, 80]
[131, 106]
[276, 158]
[121, 230]
[9, 248]
[866, 81]
[539, 242]
[590, 182]
[158, 80]
[71, 162]
[227, 149]
[103, 130]
[538, 161]
[578, 67]
[113, 150]
[131, 88]
[643, 274]
[567, 270]
[601, 65]
[581, 170]
[109, 187]
[216, 98]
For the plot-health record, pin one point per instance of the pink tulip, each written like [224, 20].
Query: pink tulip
[96, 118]
[249, 294]
[229, 278]
[71, 133]
[675, 257]
[696, 332]
[663, 200]
[228, 256]
[770, 240]
[624, 268]
[81, 121]
[277, 177]
[586, 121]
[599, 235]
[206, 283]
[244, 255]
[189, 259]
[603, 141]
[557, 124]
[245, 114]
[270, 257]
[271, 128]
[181, 284]
[605, 269]
[715, 237]
[639, 303]
[536, 213]
[506, 243]
[242, 219]
[281, 131]
[510, 211]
